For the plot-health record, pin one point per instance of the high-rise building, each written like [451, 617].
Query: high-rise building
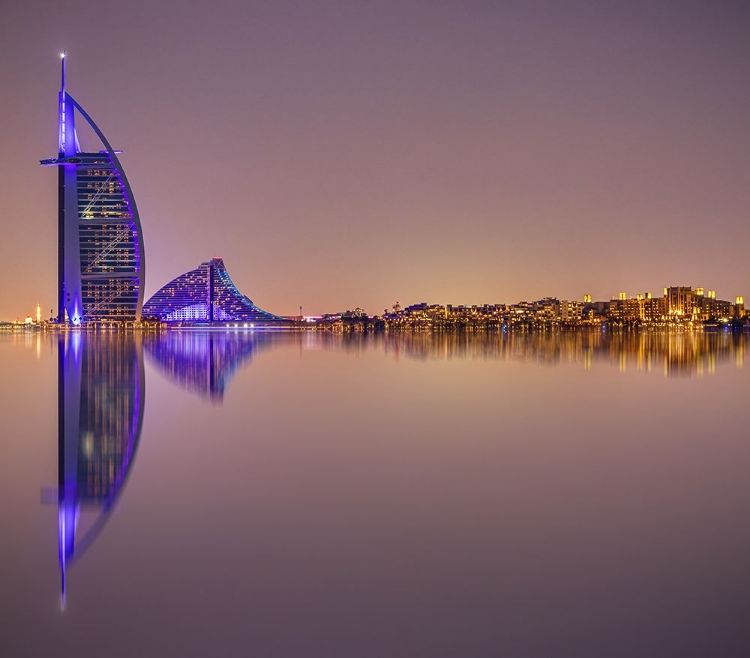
[101, 262]
[680, 301]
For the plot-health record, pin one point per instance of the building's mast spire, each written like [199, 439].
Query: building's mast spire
[67, 128]
[62, 57]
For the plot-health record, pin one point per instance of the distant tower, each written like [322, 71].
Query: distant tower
[38, 313]
[101, 260]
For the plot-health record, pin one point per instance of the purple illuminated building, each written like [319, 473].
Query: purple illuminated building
[207, 295]
[101, 265]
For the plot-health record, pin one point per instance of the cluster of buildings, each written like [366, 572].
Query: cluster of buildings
[101, 271]
[679, 306]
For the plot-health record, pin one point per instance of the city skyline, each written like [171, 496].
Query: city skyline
[190, 298]
[444, 153]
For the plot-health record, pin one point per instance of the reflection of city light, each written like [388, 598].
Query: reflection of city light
[88, 444]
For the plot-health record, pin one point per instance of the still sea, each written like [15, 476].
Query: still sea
[240, 493]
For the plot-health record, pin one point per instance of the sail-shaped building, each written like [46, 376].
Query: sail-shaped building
[101, 262]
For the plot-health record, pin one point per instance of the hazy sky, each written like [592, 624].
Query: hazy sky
[342, 154]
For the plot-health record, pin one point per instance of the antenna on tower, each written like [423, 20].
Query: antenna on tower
[62, 57]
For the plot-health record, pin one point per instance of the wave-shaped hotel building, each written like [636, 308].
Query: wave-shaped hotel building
[101, 258]
[205, 295]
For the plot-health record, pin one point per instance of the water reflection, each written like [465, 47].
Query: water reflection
[203, 363]
[100, 414]
[673, 354]
[101, 388]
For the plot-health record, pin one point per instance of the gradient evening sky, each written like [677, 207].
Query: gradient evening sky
[342, 154]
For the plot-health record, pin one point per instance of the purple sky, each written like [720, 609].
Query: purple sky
[359, 153]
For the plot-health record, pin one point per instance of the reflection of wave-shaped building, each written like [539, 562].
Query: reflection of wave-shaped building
[100, 399]
[206, 294]
[204, 363]
[101, 263]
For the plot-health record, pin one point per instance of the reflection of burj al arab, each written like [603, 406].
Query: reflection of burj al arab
[100, 414]
[101, 386]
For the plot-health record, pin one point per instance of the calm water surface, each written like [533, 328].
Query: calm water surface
[240, 494]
